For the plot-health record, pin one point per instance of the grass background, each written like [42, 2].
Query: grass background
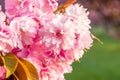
[101, 62]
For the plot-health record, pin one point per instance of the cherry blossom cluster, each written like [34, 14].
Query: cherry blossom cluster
[51, 42]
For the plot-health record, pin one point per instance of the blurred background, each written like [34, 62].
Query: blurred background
[102, 61]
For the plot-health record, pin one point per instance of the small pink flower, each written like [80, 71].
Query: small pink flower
[26, 7]
[25, 30]
[6, 39]
[48, 5]
[12, 6]
[2, 18]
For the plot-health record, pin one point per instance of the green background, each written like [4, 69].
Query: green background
[101, 62]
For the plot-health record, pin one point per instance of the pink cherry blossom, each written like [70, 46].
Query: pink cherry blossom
[14, 7]
[25, 30]
[6, 37]
[61, 43]
[51, 42]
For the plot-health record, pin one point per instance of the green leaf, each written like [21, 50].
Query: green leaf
[20, 73]
[1, 62]
[18, 69]
[12, 77]
[10, 63]
[29, 69]
[16, 77]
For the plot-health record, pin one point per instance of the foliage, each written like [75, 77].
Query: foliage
[19, 69]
